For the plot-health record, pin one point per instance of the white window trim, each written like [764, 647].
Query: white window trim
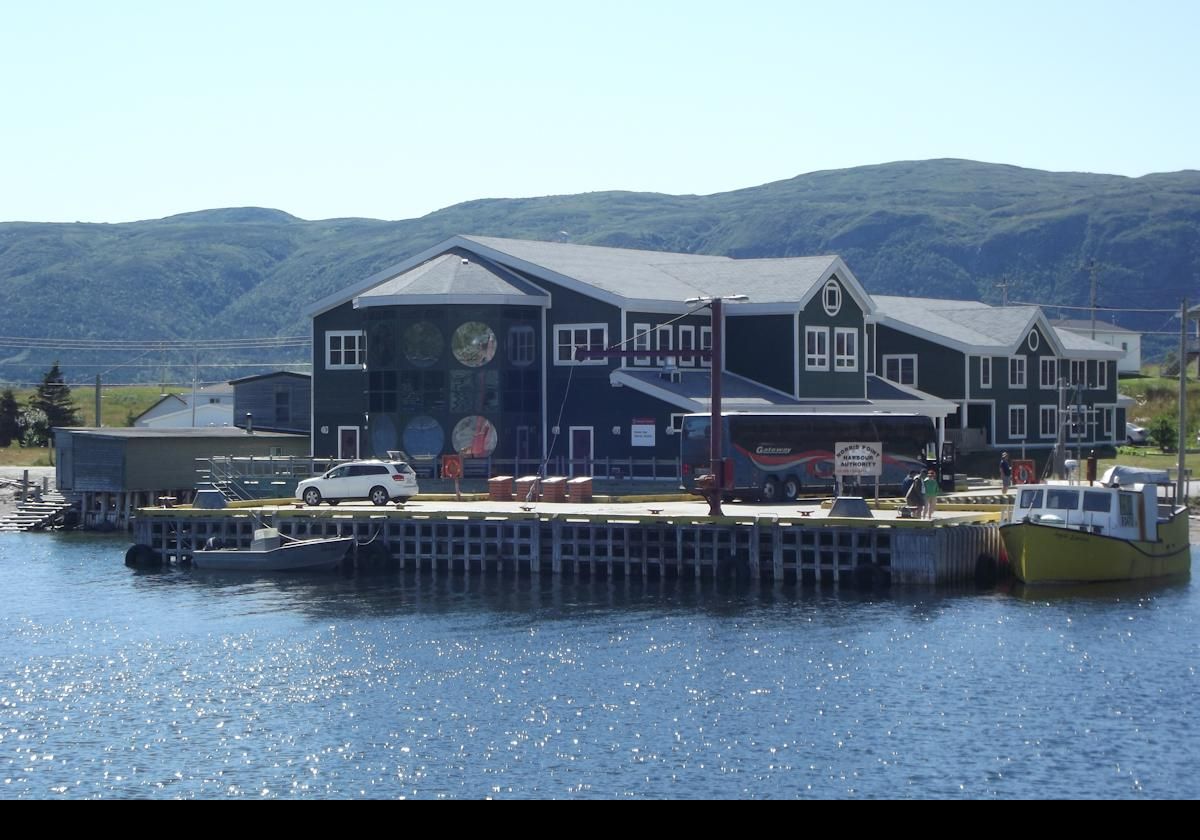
[900, 357]
[1053, 433]
[832, 285]
[1014, 410]
[985, 363]
[1076, 364]
[558, 328]
[1024, 360]
[688, 333]
[818, 361]
[1052, 361]
[847, 362]
[357, 441]
[360, 350]
[675, 426]
[641, 341]
[706, 344]
[1101, 375]
[1034, 341]
[664, 339]
[515, 358]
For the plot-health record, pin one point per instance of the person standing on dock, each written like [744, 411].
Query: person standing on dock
[930, 488]
[1005, 472]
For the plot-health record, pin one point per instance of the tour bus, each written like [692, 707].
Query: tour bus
[778, 457]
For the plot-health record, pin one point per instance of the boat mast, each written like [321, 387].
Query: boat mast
[1181, 479]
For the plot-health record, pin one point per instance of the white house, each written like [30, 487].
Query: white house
[1128, 341]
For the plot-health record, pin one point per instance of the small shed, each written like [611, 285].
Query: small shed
[277, 402]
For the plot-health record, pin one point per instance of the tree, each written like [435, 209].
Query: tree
[10, 412]
[53, 397]
[1164, 433]
[35, 428]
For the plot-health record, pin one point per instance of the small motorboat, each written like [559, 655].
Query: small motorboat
[271, 552]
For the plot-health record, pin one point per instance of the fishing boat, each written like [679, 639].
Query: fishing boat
[1127, 526]
[270, 552]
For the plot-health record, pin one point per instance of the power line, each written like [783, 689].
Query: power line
[43, 343]
[1089, 309]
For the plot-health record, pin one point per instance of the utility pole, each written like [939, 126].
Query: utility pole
[1092, 270]
[1181, 480]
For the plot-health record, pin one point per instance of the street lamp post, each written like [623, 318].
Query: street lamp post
[715, 455]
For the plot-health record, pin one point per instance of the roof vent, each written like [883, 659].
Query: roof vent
[466, 261]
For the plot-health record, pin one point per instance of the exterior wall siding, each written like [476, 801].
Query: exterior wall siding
[762, 348]
[341, 394]
[939, 368]
[831, 383]
[279, 403]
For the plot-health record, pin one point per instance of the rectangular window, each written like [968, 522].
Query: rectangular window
[345, 350]
[900, 369]
[1048, 422]
[421, 391]
[1049, 372]
[676, 424]
[522, 349]
[1016, 372]
[816, 348]
[663, 335]
[1016, 422]
[985, 371]
[845, 348]
[381, 391]
[1079, 372]
[571, 337]
[521, 391]
[687, 341]
[706, 344]
[641, 341]
[1101, 375]
[1106, 415]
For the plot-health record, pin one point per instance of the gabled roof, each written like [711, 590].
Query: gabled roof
[976, 327]
[623, 277]
[453, 278]
[275, 373]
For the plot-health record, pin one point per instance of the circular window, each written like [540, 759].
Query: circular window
[474, 437]
[423, 437]
[422, 344]
[1034, 340]
[831, 298]
[474, 344]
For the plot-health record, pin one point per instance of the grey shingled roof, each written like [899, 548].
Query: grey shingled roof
[963, 322]
[668, 276]
[1075, 324]
[450, 275]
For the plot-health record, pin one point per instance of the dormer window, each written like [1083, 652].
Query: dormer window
[831, 298]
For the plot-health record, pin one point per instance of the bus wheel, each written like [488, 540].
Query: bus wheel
[791, 488]
[770, 490]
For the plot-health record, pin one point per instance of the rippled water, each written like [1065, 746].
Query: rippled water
[182, 684]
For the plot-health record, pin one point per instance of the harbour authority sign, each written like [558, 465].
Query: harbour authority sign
[857, 458]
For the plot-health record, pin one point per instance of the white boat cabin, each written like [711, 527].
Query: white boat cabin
[1125, 504]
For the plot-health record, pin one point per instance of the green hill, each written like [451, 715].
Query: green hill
[950, 228]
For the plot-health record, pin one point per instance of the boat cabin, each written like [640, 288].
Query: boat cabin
[1126, 504]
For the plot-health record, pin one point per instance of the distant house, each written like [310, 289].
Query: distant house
[1128, 341]
[1013, 377]
[277, 402]
[213, 406]
[471, 347]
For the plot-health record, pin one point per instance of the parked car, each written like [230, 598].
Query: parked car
[1135, 433]
[379, 481]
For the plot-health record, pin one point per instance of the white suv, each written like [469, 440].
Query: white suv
[379, 481]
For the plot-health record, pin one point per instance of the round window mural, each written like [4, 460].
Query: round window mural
[474, 437]
[423, 437]
[474, 344]
[422, 344]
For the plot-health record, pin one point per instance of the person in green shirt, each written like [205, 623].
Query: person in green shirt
[931, 489]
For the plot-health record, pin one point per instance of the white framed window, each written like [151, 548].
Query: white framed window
[664, 340]
[1107, 415]
[831, 298]
[1101, 375]
[706, 344]
[1048, 377]
[1035, 340]
[1079, 372]
[845, 348]
[900, 369]
[816, 348]
[345, 350]
[676, 425]
[1048, 421]
[522, 349]
[569, 337]
[1016, 422]
[687, 341]
[641, 341]
[985, 371]
[1016, 372]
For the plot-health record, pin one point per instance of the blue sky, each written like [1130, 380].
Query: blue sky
[131, 110]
